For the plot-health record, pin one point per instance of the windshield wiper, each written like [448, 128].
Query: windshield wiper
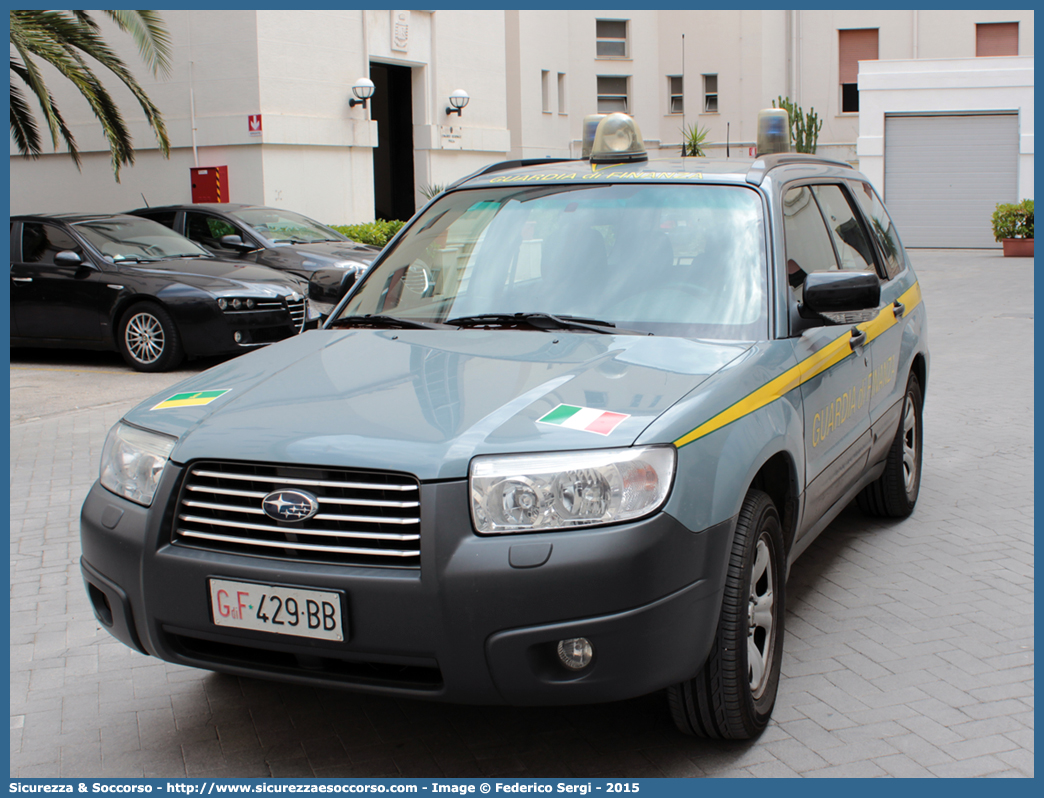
[381, 320]
[543, 321]
[132, 259]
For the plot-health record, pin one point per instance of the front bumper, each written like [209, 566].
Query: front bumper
[478, 622]
[206, 332]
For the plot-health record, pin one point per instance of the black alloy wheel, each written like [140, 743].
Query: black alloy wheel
[894, 493]
[733, 694]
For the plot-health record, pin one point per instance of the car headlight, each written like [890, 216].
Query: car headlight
[236, 303]
[132, 462]
[563, 490]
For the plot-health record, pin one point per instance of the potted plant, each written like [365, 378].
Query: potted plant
[1013, 227]
[693, 138]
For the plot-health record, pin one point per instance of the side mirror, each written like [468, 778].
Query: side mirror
[840, 297]
[233, 241]
[68, 258]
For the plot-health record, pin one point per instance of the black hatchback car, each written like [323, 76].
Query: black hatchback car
[129, 284]
[275, 238]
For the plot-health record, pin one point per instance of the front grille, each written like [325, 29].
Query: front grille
[298, 312]
[364, 517]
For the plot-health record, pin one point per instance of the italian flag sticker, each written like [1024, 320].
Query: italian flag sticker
[586, 419]
[191, 399]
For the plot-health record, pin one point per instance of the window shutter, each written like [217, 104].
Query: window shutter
[1000, 38]
[855, 46]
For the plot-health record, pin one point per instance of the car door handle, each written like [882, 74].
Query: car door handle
[858, 337]
[898, 309]
[22, 279]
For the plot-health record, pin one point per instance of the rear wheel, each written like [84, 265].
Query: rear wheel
[733, 694]
[148, 338]
[894, 493]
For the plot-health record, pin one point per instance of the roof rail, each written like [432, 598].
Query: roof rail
[501, 166]
[760, 167]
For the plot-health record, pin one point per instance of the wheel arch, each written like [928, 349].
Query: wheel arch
[125, 304]
[778, 477]
[919, 367]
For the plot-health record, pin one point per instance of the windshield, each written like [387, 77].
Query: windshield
[670, 259]
[287, 227]
[131, 238]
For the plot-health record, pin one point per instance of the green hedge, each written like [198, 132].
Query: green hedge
[377, 233]
[1013, 220]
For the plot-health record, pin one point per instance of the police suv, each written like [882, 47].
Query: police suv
[561, 444]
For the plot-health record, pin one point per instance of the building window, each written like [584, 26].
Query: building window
[611, 38]
[675, 97]
[997, 38]
[545, 89]
[710, 94]
[612, 94]
[561, 93]
[854, 46]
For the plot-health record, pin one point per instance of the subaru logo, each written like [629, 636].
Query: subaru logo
[290, 505]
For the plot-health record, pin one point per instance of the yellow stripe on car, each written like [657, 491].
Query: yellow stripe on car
[812, 366]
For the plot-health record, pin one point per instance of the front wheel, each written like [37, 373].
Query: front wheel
[733, 694]
[894, 493]
[149, 340]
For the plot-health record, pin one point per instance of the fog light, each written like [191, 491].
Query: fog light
[575, 653]
[238, 336]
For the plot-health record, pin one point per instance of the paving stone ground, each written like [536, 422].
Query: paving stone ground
[909, 645]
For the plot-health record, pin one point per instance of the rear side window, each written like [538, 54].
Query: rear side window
[41, 242]
[853, 246]
[165, 218]
[882, 228]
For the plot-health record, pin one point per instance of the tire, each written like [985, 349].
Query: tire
[894, 493]
[148, 338]
[733, 694]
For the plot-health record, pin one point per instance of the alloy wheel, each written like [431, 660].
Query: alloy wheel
[144, 337]
[760, 617]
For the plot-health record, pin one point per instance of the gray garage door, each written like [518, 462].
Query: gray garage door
[945, 174]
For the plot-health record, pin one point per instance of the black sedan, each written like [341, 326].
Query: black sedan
[275, 238]
[129, 284]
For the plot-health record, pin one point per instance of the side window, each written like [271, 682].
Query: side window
[806, 238]
[41, 242]
[165, 218]
[207, 230]
[853, 247]
[882, 228]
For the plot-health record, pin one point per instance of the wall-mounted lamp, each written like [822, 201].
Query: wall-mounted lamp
[363, 89]
[458, 99]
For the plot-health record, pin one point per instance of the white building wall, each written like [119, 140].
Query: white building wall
[467, 52]
[296, 68]
[940, 85]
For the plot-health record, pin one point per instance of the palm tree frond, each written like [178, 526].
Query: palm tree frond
[63, 39]
[23, 126]
[146, 28]
[50, 110]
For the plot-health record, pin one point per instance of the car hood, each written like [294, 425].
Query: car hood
[333, 251]
[217, 275]
[427, 401]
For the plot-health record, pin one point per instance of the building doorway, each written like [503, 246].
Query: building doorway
[392, 108]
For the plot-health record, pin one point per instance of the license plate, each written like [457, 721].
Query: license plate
[280, 610]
